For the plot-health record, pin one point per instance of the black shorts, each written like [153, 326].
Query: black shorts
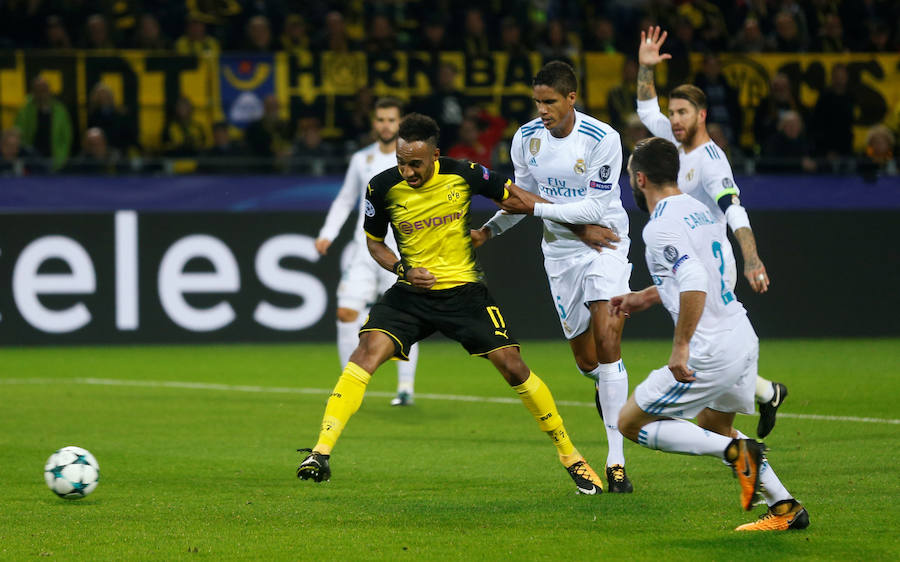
[467, 314]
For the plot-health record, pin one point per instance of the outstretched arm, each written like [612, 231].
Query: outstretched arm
[648, 57]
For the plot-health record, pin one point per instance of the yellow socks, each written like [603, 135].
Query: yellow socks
[343, 403]
[537, 398]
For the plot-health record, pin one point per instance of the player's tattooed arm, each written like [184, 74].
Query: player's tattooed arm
[648, 57]
[754, 270]
[645, 88]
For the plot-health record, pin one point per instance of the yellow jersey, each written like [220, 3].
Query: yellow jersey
[431, 222]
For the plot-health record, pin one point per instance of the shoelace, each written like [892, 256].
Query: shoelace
[618, 474]
[581, 469]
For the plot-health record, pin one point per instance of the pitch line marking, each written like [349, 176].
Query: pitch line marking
[381, 394]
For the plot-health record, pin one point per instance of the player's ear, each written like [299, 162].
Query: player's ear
[571, 98]
[437, 153]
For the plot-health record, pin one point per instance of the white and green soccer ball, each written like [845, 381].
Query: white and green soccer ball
[72, 472]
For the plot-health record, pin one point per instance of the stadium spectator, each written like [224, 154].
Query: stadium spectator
[15, 159]
[45, 124]
[878, 38]
[433, 38]
[558, 43]
[334, 35]
[223, 145]
[184, 136]
[475, 40]
[722, 103]
[832, 122]
[479, 134]
[788, 150]
[620, 100]
[788, 36]
[148, 35]
[601, 36]
[115, 123]
[381, 37]
[97, 33]
[295, 35]
[511, 41]
[446, 105]
[312, 153]
[355, 120]
[749, 39]
[55, 34]
[96, 156]
[258, 35]
[878, 157]
[830, 38]
[770, 109]
[270, 135]
[195, 40]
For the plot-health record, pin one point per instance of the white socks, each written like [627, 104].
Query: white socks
[347, 339]
[406, 371]
[611, 380]
[764, 390]
[771, 487]
[680, 436]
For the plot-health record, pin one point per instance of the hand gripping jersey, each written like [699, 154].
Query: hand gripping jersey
[364, 164]
[431, 222]
[685, 251]
[579, 174]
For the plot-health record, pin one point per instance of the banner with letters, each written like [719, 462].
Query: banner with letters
[125, 277]
[326, 83]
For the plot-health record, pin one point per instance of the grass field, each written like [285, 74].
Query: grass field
[197, 453]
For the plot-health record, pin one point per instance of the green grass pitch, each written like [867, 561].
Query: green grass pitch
[202, 466]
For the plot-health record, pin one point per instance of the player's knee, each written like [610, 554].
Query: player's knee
[374, 349]
[628, 426]
[511, 366]
[347, 315]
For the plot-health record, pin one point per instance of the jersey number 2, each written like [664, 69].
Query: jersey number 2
[727, 296]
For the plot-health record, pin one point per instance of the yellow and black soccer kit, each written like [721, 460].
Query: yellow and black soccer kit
[431, 226]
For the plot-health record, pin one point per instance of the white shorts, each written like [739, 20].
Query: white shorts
[579, 280]
[362, 279]
[725, 386]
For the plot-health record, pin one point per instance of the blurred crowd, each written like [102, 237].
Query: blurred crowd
[789, 136]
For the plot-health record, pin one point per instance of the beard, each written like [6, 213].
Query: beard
[689, 133]
[640, 199]
[387, 139]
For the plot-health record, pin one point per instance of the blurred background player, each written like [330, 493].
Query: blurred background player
[573, 161]
[712, 368]
[362, 280]
[705, 175]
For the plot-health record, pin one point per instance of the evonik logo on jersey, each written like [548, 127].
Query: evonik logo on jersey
[407, 227]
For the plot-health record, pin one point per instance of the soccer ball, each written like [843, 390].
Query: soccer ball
[72, 472]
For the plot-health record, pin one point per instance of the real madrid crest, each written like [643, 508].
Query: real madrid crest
[690, 175]
[580, 168]
[369, 158]
[534, 146]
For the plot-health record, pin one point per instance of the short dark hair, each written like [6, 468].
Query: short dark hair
[388, 102]
[657, 158]
[417, 127]
[557, 75]
[691, 93]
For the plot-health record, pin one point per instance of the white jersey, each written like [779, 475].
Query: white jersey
[365, 164]
[579, 174]
[685, 251]
[704, 172]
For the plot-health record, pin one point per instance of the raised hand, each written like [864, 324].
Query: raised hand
[651, 41]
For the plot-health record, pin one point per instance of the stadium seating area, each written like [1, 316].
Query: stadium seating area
[784, 132]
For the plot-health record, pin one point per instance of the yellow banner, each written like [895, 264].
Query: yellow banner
[326, 84]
